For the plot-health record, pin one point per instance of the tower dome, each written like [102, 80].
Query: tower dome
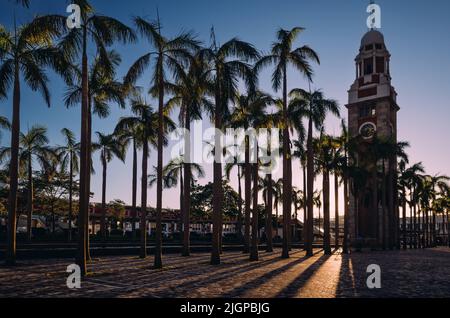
[372, 37]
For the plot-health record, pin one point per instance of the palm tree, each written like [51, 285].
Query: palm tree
[249, 111]
[385, 150]
[102, 89]
[33, 145]
[325, 163]
[103, 31]
[297, 200]
[282, 55]
[144, 122]
[26, 51]
[300, 153]
[228, 168]
[343, 167]
[434, 185]
[316, 107]
[69, 154]
[227, 63]
[169, 54]
[128, 132]
[174, 171]
[110, 147]
[190, 93]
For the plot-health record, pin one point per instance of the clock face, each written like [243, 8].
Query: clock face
[367, 130]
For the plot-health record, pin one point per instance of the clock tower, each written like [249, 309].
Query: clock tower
[372, 116]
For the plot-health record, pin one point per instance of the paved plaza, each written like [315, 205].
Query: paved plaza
[412, 273]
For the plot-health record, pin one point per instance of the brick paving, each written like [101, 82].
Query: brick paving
[412, 273]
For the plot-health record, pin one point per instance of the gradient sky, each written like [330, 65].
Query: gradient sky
[416, 34]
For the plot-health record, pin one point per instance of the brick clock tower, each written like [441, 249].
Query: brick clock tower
[372, 116]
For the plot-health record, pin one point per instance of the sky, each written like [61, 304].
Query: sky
[416, 34]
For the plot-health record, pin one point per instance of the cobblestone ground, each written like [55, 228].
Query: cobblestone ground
[412, 273]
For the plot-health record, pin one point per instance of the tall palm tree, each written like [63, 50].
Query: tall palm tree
[26, 51]
[385, 150]
[109, 147]
[144, 121]
[169, 54]
[300, 153]
[249, 112]
[227, 64]
[103, 89]
[325, 163]
[131, 134]
[69, 154]
[316, 107]
[33, 145]
[343, 168]
[282, 55]
[435, 185]
[409, 179]
[190, 92]
[102, 31]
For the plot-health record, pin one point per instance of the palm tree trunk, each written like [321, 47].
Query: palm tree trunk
[419, 231]
[13, 172]
[239, 220]
[433, 230]
[404, 218]
[88, 182]
[310, 189]
[247, 194]
[345, 244]
[336, 210]
[305, 208]
[143, 222]
[287, 192]
[217, 185]
[427, 228]
[83, 204]
[326, 213]
[289, 219]
[134, 190]
[30, 196]
[182, 212]
[277, 216]
[159, 184]
[254, 248]
[448, 229]
[69, 234]
[53, 218]
[414, 227]
[187, 187]
[269, 247]
[103, 220]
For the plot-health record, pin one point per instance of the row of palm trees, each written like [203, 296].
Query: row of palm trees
[198, 80]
